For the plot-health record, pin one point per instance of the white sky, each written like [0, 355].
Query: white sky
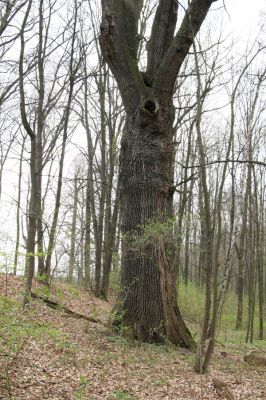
[244, 19]
[245, 14]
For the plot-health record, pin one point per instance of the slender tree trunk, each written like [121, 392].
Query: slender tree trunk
[261, 282]
[202, 253]
[228, 264]
[18, 208]
[87, 265]
[206, 228]
[30, 244]
[39, 144]
[182, 206]
[117, 242]
[72, 254]
[187, 234]
[111, 213]
[109, 251]
[65, 120]
[32, 210]
[81, 258]
[91, 206]
[103, 176]
[258, 256]
[251, 274]
[240, 251]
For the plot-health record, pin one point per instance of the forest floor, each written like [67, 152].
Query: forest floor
[48, 354]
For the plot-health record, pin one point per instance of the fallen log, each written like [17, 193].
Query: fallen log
[55, 305]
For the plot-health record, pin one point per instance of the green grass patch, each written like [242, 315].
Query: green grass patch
[191, 301]
[123, 395]
[17, 326]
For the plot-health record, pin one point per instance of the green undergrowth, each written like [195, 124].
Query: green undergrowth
[123, 395]
[71, 289]
[191, 302]
[18, 326]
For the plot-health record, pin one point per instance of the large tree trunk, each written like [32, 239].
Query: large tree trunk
[148, 301]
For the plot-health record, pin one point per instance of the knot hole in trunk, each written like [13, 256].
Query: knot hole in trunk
[151, 106]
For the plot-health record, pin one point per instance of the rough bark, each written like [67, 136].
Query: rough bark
[148, 301]
[143, 182]
[147, 304]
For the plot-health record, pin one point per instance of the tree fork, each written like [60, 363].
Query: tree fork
[147, 303]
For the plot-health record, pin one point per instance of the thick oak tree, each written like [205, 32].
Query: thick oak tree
[147, 305]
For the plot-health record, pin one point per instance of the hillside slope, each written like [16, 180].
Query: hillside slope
[48, 354]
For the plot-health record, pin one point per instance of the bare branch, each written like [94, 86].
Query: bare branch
[119, 24]
[167, 72]
[163, 29]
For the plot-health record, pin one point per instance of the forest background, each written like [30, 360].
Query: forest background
[59, 98]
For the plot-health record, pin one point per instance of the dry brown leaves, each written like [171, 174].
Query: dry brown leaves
[91, 363]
